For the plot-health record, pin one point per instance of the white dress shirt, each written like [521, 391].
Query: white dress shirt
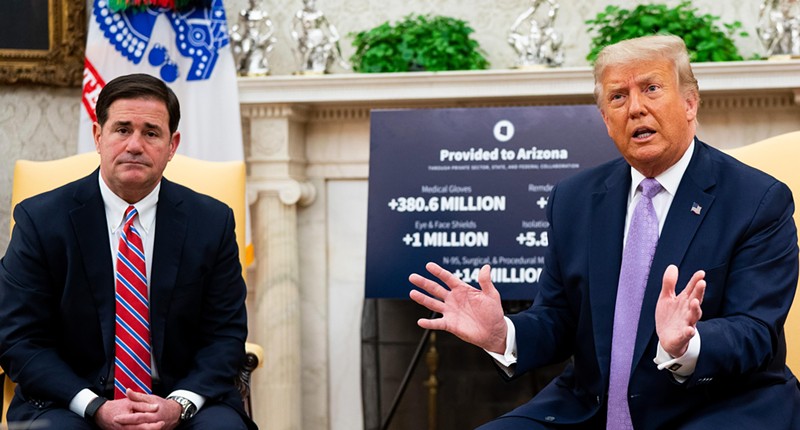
[681, 367]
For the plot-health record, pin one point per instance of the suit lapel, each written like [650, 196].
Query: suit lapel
[608, 224]
[171, 230]
[679, 230]
[91, 231]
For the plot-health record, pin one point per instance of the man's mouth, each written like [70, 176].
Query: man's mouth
[133, 165]
[643, 133]
[133, 162]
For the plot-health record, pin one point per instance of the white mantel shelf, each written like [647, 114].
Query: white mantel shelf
[568, 83]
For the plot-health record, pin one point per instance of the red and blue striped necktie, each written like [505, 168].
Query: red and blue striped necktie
[132, 331]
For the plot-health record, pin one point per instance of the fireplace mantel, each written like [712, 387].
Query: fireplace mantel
[569, 85]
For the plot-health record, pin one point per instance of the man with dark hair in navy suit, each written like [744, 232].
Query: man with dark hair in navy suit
[668, 278]
[122, 303]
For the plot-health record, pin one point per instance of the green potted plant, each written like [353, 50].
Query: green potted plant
[417, 43]
[704, 39]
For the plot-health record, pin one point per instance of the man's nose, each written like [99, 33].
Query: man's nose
[636, 107]
[135, 143]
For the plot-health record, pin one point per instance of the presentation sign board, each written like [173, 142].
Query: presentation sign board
[467, 187]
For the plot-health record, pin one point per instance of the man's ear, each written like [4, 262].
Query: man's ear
[692, 104]
[174, 142]
[97, 130]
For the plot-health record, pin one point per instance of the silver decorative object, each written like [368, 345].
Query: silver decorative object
[779, 27]
[252, 41]
[317, 41]
[535, 39]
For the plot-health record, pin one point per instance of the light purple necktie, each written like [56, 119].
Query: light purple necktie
[636, 261]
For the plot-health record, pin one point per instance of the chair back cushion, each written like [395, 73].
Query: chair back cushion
[780, 157]
[225, 181]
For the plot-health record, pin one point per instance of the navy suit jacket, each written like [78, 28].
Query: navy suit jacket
[57, 298]
[745, 240]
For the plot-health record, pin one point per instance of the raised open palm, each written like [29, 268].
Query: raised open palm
[677, 315]
[474, 315]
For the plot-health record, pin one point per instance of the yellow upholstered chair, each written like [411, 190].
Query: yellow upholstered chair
[780, 157]
[224, 181]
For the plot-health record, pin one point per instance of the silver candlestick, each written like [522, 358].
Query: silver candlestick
[535, 39]
[252, 41]
[317, 41]
[779, 27]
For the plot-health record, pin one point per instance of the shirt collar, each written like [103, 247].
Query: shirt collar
[115, 207]
[670, 179]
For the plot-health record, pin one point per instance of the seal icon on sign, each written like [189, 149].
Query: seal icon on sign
[503, 130]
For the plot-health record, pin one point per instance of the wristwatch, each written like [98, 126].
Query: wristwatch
[93, 407]
[188, 408]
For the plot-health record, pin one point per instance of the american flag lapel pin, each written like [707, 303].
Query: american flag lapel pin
[696, 208]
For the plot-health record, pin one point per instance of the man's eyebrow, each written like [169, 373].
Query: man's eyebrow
[650, 77]
[640, 80]
[147, 125]
[152, 126]
[614, 87]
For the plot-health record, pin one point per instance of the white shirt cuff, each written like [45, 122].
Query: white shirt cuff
[197, 399]
[81, 400]
[509, 358]
[681, 367]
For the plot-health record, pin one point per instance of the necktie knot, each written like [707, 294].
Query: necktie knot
[130, 214]
[650, 187]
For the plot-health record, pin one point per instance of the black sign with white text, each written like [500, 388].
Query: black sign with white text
[468, 187]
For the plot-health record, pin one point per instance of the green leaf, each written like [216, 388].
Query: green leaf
[704, 38]
[420, 42]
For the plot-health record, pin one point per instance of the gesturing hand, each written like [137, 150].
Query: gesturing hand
[473, 315]
[677, 316]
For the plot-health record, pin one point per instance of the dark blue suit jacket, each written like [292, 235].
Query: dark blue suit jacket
[744, 238]
[57, 298]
